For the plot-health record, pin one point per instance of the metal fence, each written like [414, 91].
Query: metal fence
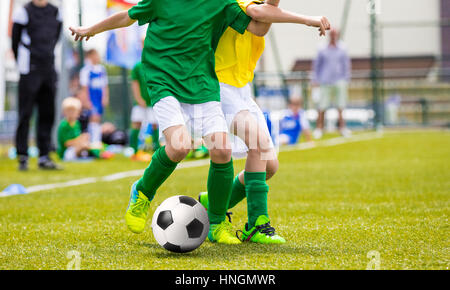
[407, 101]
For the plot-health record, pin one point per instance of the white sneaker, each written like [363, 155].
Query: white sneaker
[346, 133]
[317, 134]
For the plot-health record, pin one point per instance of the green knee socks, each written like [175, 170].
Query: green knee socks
[220, 182]
[134, 139]
[159, 170]
[257, 191]
[238, 193]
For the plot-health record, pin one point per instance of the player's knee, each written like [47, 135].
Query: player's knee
[136, 125]
[220, 155]
[272, 168]
[178, 154]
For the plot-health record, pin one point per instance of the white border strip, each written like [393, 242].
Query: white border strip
[194, 164]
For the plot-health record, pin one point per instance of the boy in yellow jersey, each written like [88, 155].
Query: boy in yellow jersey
[236, 59]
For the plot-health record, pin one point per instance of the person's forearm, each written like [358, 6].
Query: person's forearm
[137, 93]
[16, 35]
[106, 96]
[269, 13]
[117, 20]
[273, 2]
[85, 98]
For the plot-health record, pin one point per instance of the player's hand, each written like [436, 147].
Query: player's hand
[321, 22]
[81, 32]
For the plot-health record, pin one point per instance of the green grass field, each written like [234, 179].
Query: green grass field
[334, 205]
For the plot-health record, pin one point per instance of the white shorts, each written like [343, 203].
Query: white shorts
[337, 91]
[201, 120]
[143, 115]
[235, 100]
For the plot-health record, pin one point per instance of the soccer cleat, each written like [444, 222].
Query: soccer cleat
[142, 156]
[137, 211]
[201, 152]
[23, 163]
[203, 199]
[262, 233]
[223, 234]
[45, 163]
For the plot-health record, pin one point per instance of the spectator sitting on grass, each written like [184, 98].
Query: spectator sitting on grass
[72, 143]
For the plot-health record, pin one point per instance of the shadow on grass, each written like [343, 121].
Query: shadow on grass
[225, 252]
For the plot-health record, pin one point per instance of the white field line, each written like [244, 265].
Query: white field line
[194, 164]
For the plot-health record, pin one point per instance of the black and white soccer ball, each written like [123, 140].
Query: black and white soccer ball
[180, 224]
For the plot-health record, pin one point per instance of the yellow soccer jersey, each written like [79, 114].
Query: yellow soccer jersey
[237, 54]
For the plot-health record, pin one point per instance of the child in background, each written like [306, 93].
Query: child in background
[72, 143]
[94, 82]
[142, 114]
[294, 123]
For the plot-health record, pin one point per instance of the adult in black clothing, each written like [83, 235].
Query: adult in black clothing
[36, 30]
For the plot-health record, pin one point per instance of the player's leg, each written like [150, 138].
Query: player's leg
[28, 87]
[324, 104]
[46, 111]
[95, 128]
[342, 98]
[261, 151]
[221, 173]
[95, 121]
[239, 108]
[164, 162]
[151, 119]
[238, 191]
[137, 118]
[261, 165]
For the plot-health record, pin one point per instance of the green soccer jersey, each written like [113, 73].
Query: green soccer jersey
[67, 132]
[179, 48]
[137, 74]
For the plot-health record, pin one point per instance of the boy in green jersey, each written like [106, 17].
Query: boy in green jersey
[179, 65]
[72, 143]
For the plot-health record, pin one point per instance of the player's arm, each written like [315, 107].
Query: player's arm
[267, 13]
[80, 143]
[20, 21]
[85, 98]
[105, 99]
[84, 82]
[117, 20]
[260, 28]
[135, 87]
[16, 35]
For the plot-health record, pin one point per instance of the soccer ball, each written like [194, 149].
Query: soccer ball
[180, 224]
